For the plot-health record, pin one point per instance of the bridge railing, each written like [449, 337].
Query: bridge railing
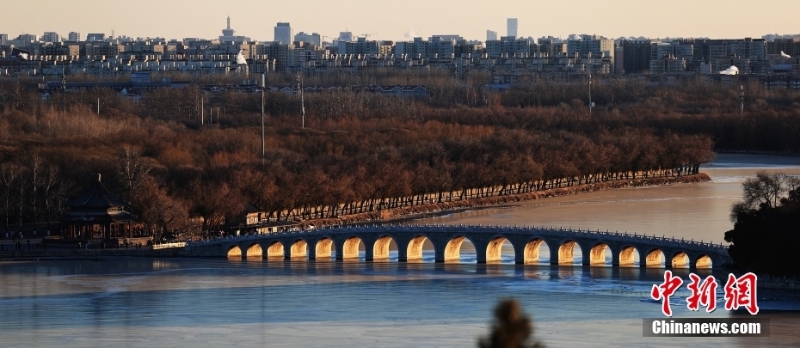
[615, 236]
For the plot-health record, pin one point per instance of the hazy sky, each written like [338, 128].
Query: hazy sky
[397, 20]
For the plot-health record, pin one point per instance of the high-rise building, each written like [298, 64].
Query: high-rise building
[636, 56]
[3, 39]
[491, 35]
[509, 46]
[283, 33]
[91, 37]
[51, 37]
[314, 39]
[552, 47]
[590, 46]
[512, 27]
[73, 36]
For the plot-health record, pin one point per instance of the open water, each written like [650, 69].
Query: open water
[141, 302]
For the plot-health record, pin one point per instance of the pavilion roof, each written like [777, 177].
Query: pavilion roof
[98, 197]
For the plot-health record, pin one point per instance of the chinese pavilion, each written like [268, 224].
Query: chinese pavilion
[99, 216]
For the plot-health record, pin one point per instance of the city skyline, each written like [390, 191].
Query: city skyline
[470, 19]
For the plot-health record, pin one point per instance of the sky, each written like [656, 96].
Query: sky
[404, 19]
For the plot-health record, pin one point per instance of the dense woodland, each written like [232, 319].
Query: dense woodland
[361, 146]
[764, 236]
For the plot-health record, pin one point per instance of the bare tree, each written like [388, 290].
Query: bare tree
[48, 183]
[160, 212]
[764, 190]
[512, 328]
[131, 171]
[9, 174]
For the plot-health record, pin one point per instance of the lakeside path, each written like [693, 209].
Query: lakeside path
[428, 210]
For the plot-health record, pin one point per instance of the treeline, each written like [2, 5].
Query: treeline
[357, 147]
[765, 234]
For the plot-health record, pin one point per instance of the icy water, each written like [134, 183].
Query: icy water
[140, 302]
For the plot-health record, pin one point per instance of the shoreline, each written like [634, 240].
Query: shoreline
[439, 209]
[392, 215]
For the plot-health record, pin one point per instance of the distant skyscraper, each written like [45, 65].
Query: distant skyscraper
[512, 27]
[314, 39]
[95, 37]
[283, 33]
[345, 36]
[3, 39]
[491, 35]
[51, 37]
[73, 36]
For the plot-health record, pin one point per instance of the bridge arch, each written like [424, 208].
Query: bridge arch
[532, 248]
[680, 260]
[452, 251]
[382, 247]
[351, 249]
[275, 250]
[234, 251]
[655, 258]
[254, 250]
[703, 262]
[416, 247]
[566, 252]
[628, 256]
[447, 243]
[599, 253]
[494, 250]
[323, 249]
[299, 249]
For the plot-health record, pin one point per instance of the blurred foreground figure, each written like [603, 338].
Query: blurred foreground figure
[511, 329]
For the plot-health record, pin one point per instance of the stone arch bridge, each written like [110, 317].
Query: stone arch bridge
[487, 240]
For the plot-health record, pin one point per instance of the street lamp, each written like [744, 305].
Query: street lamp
[741, 99]
[590, 95]
[302, 103]
[263, 149]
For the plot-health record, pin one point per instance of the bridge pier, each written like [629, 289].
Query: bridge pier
[586, 255]
[369, 251]
[287, 253]
[312, 252]
[339, 249]
[402, 252]
[481, 249]
[439, 253]
[519, 253]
